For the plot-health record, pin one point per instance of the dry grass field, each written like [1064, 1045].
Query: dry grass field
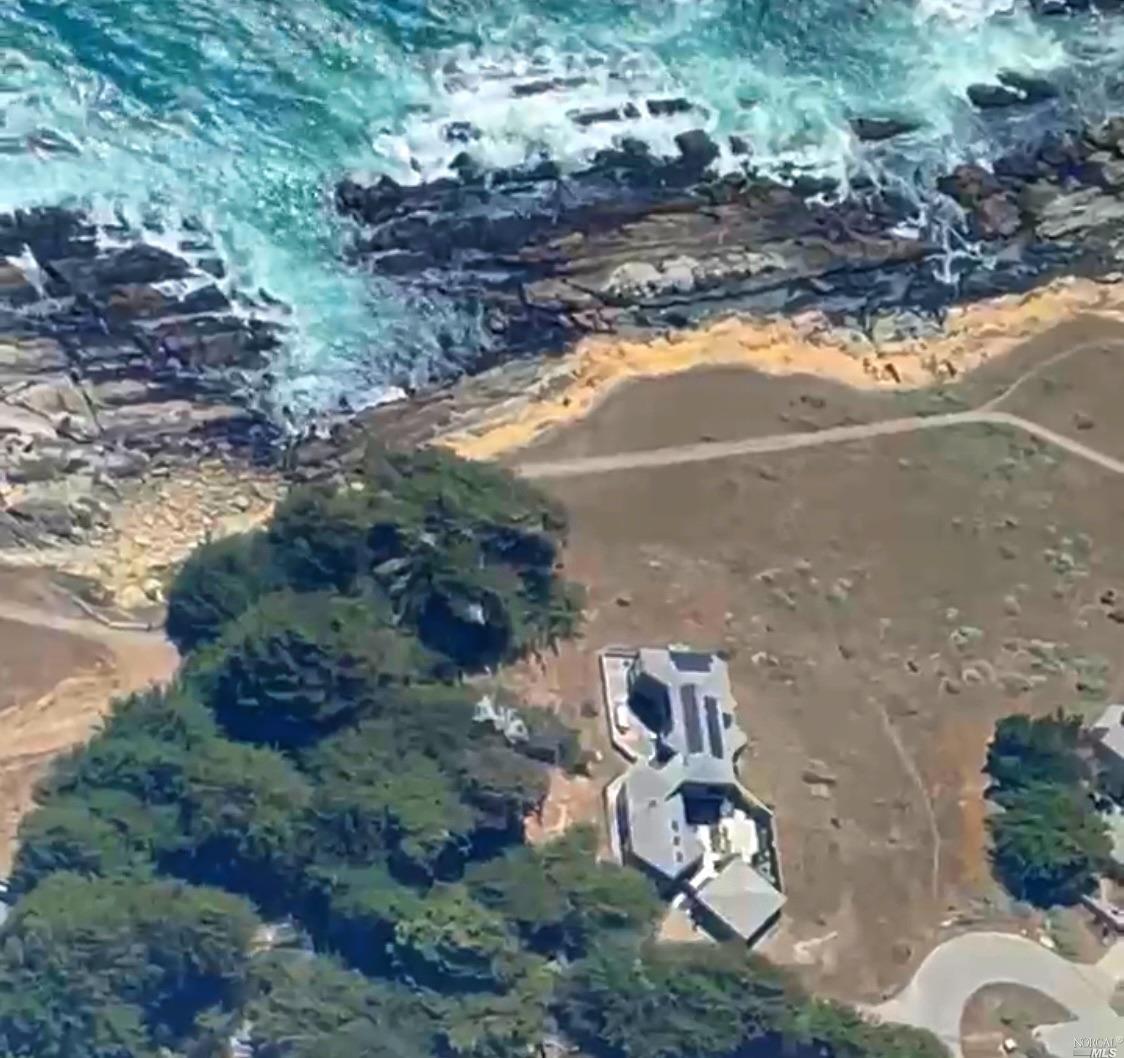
[882, 604]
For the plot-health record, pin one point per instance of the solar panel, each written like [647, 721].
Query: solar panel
[690, 660]
[691, 719]
[714, 726]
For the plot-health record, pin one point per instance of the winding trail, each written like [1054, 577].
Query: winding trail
[957, 969]
[987, 414]
[705, 451]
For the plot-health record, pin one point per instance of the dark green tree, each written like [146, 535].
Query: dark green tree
[216, 585]
[503, 786]
[201, 807]
[832, 1030]
[673, 1000]
[241, 821]
[295, 667]
[500, 1024]
[375, 798]
[118, 968]
[99, 834]
[359, 909]
[312, 1007]
[1029, 750]
[562, 897]
[447, 940]
[440, 938]
[467, 553]
[1049, 844]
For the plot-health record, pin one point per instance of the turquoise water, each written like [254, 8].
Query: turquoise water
[245, 113]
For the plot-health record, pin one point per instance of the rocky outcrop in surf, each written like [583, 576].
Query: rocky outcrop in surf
[636, 241]
[115, 354]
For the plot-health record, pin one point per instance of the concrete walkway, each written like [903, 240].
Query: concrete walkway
[957, 969]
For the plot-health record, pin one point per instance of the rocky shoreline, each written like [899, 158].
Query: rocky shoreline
[129, 425]
[638, 247]
[641, 242]
[119, 359]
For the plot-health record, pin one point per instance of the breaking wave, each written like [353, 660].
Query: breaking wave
[243, 115]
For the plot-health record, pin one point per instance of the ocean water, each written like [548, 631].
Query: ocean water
[245, 113]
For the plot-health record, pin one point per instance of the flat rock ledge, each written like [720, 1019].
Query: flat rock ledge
[117, 356]
[639, 242]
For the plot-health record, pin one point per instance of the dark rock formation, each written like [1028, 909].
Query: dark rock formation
[646, 242]
[1032, 89]
[1060, 7]
[114, 353]
[874, 130]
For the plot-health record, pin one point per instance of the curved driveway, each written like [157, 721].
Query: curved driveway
[957, 969]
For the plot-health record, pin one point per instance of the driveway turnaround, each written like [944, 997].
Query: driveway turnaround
[957, 969]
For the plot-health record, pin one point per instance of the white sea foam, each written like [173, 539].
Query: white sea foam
[243, 115]
[965, 12]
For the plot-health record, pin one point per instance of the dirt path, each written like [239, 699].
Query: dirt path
[62, 670]
[705, 451]
[987, 414]
[909, 765]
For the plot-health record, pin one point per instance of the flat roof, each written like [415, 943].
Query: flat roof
[658, 831]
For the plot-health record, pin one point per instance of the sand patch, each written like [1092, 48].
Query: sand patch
[973, 335]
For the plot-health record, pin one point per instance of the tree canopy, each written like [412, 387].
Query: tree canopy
[295, 667]
[219, 581]
[1028, 750]
[118, 968]
[318, 773]
[1050, 845]
[671, 1000]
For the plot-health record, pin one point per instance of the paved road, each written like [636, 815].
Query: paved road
[957, 969]
[708, 450]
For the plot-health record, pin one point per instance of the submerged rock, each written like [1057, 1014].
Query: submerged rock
[1013, 89]
[991, 96]
[696, 148]
[874, 130]
[1033, 89]
[667, 107]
